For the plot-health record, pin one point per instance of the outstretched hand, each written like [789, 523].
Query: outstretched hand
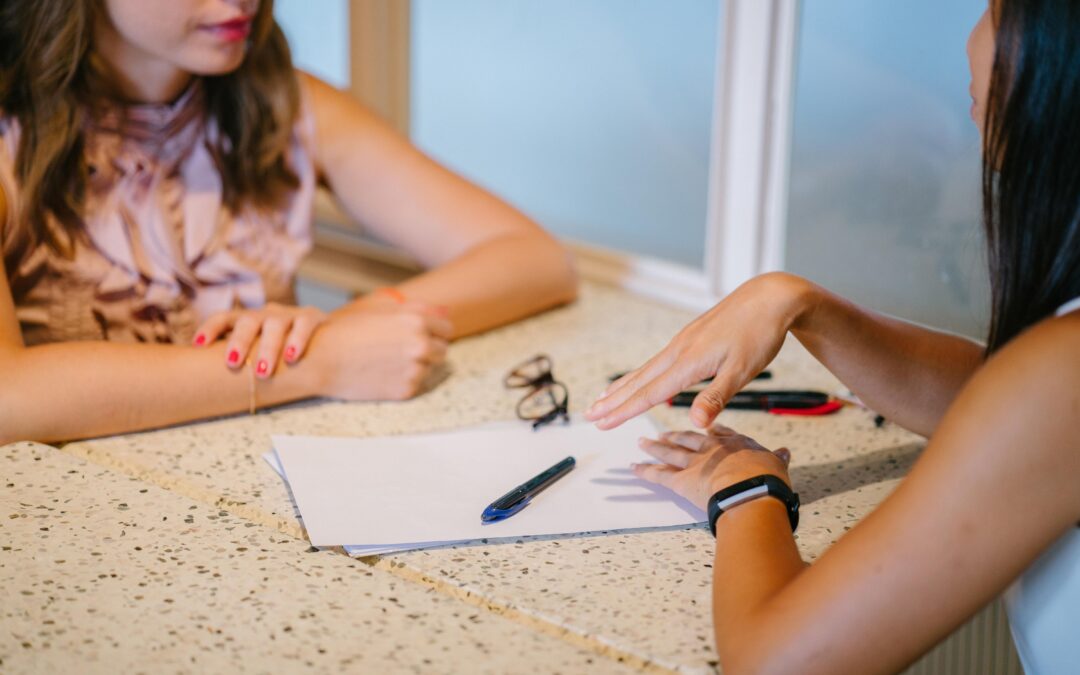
[731, 343]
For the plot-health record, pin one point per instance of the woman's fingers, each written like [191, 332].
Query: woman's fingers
[660, 389]
[691, 440]
[784, 454]
[296, 342]
[427, 350]
[435, 352]
[721, 430]
[624, 387]
[627, 386]
[243, 335]
[438, 325]
[271, 340]
[283, 333]
[667, 452]
[645, 371]
[640, 400]
[213, 328]
[712, 399]
[661, 474]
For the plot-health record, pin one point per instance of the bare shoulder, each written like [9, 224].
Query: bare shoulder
[1047, 353]
[330, 104]
[357, 132]
[314, 86]
[1028, 391]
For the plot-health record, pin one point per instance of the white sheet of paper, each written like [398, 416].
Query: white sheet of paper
[356, 551]
[432, 488]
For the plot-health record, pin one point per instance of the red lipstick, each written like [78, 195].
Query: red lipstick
[231, 31]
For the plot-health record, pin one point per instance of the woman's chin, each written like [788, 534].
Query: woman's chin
[221, 62]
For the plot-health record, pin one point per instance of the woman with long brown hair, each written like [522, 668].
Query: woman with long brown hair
[158, 161]
[993, 504]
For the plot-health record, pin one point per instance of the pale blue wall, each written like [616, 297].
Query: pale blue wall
[590, 115]
[884, 196]
[318, 33]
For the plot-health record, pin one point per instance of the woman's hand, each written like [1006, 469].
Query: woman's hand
[697, 466]
[282, 332]
[730, 343]
[378, 352]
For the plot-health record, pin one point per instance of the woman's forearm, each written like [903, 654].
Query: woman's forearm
[755, 558]
[75, 390]
[907, 373]
[500, 281]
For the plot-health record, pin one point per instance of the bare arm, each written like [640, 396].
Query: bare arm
[78, 389]
[70, 390]
[489, 264]
[908, 373]
[73, 390]
[994, 488]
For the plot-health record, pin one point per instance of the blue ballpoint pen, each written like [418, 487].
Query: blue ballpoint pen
[518, 498]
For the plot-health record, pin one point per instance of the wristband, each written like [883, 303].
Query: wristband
[392, 293]
[750, 489]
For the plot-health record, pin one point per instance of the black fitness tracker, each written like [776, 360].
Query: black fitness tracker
[750, 489]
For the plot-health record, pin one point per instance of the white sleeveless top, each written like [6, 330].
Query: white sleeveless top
[1044, 603]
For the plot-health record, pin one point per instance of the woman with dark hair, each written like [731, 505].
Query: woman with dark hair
[993, 503]
[158, 163]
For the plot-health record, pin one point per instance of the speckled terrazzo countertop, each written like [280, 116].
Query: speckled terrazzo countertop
[638, 600]
[103, 573]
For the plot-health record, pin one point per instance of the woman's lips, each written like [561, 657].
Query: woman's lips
[230, 31]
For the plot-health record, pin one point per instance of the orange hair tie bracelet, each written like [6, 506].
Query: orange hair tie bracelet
[392, 293]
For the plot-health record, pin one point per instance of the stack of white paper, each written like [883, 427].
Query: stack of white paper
[380, 495]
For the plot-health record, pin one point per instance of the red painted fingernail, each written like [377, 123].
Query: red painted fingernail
[234, 357]
[290, 353]
[200, 339]
[262, 367]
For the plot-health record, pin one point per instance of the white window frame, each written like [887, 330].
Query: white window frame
[751, 142]
[748, 163]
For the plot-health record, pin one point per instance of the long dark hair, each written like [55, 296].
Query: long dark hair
[1031, 164]
[48, 81]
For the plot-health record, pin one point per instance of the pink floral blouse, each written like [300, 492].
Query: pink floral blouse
[162, 252]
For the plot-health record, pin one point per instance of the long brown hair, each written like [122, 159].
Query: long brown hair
[46, 78]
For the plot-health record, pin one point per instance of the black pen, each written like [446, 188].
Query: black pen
[789, 399]
[518, 498]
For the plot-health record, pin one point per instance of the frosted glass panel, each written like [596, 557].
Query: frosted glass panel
[318, 34]
[884, 193]
[590, 115]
